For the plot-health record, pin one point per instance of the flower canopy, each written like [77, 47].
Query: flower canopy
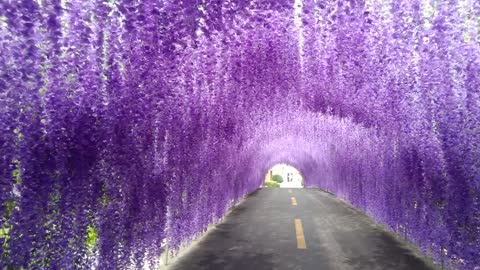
[129, 126]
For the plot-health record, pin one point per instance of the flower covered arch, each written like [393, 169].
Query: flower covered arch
[130, 125]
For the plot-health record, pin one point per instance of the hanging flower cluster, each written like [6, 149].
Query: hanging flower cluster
[128, 126]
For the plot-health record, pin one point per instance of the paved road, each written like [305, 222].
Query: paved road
[261, 233]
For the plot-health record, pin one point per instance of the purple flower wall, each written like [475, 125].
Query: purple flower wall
[144, 121]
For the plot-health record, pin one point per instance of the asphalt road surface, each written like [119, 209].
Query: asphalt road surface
[298, 229]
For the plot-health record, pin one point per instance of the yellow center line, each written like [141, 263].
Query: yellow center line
[294, 201]
[300, 236]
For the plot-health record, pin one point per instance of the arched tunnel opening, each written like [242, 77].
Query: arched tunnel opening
[283, 175]
[129, 127]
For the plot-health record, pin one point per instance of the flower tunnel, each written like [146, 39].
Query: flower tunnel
[129, 126]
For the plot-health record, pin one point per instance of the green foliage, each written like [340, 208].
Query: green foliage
[17, 172]
[272, 184]
[4, 232]
[92, 236]
[5, 229]
[277, 178]
[4, 244]
[10, 205]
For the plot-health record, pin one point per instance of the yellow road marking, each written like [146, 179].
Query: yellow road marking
[300, 236]
[289, 191]
[294, 201]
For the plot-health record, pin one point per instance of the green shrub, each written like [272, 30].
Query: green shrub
[277, 178]
[271, 184]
